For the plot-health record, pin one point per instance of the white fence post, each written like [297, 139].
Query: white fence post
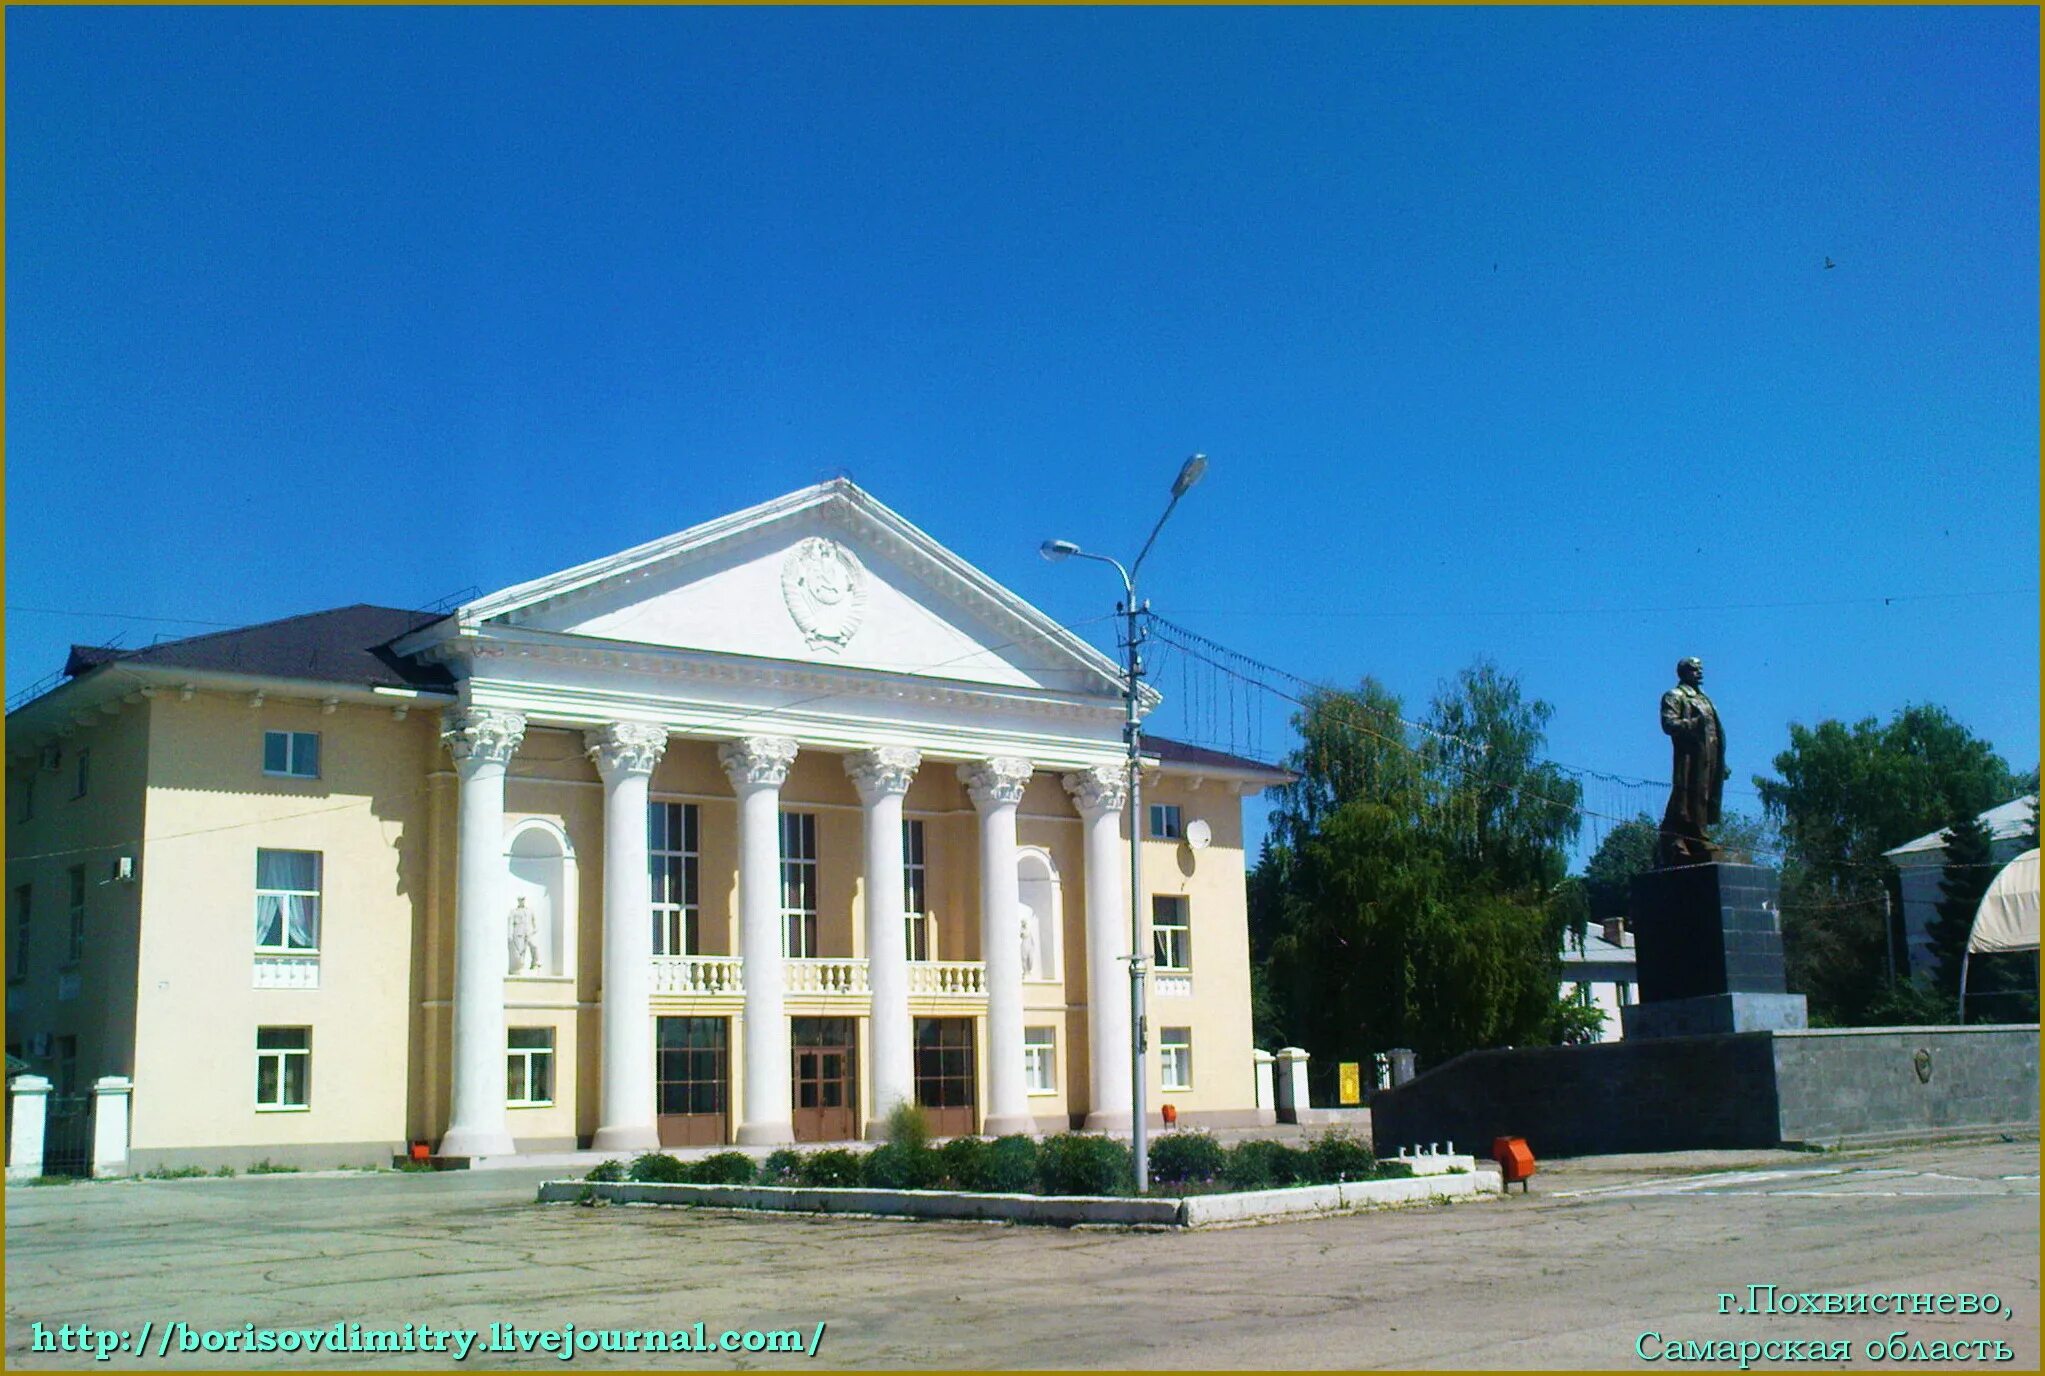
[110, 1096]
[31, 1108]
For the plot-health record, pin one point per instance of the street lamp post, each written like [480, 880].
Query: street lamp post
[1132, 734]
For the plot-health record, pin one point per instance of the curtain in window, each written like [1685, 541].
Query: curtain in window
[286, 918]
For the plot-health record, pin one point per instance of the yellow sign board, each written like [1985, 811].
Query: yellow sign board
[1350, 1092]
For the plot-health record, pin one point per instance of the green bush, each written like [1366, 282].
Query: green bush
[175, 1173]
[963, 1163]
[908, 1126]
[898, 1166]
[1265, 1165]
[1082, 1163]
[1395, 1170]
[606, 1172]
[1181, 1158]
[780, 1167]
[268, 1167]
[723, 1168]
[835, 1167]
[658, 1168]
[1339, 1156]
[1011, 1165]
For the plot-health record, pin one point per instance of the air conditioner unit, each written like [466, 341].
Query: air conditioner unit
[124, 869]
[39, 1044]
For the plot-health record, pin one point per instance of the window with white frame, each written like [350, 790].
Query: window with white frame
[292, 754]
[1165, 822]
[1175, 1055]
[529, 1067]
[283, 1067]
[17, 939]
[799, 884]
[672, 852]
[74, 934]
[84, 771]
[288, 901]
[1171, 933]
[1040, 1059]
[916, 893]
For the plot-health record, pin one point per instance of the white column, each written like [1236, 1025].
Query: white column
[1101, 794]
[110, 1096]
[882, 777]
[482, 741]
[625, 754]
[996, 786]
[757, 767]
[31, 1116]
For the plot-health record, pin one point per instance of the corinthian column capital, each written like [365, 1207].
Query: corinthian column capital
[1098, 789]
[885, 771]
[995, 782]
[482, 735]
[757, 761]
[626, 747]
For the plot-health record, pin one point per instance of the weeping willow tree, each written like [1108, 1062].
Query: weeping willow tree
[1413, 891]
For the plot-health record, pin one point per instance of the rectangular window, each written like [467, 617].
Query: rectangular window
[294, 754]
[672, 851]
[1165, 822]
[84, 771]
[915, 891]
[1175, 1051]
[17, 939]
[283, 1067]
[799, 884]
[1040, 1059]
[74, 935]
[28, 799]
[529, 1071]
[67, 1065]
[287, 900]
[1171, 936]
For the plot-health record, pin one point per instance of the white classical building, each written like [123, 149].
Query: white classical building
[746, 834]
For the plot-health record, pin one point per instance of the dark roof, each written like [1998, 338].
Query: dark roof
[346, 645]
[1179, 752]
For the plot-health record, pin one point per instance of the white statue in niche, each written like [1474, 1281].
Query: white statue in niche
[525, 939]
[1034, 966]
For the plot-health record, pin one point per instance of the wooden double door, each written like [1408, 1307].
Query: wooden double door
[944, 1075]
[692, 1081]
[825, 1092]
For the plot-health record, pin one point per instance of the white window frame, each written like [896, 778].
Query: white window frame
[1172, 952]
[319, 906]
[676, 930]
[1167, 822]
[292, 755]
[799, 885]
[74, 932]
[521, 1062]
[283, 1057]
[918, 931]
[1040, 1059]
[1175, 1057]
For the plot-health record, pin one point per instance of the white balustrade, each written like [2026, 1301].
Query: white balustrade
[948, 978]
[698, 975]
[1172, 986]
[826, 978]
[287, 972]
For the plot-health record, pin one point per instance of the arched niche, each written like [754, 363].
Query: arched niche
[1043, 914]
[540, 900]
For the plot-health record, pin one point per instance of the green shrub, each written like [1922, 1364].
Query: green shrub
[1395, 1170]
[606, 1172]
[1082, 1163]
[835, 1167]
[964, 1162]
[1180, 1158]
[898, 1166]
[780, 1167]
[908, 1126]
[174, 1172]
[268, 1167]
[658, 1168]
[1265, 1165]
[1339, 1156]
[224, 1171]
[723, 1168]
[1011, 1165]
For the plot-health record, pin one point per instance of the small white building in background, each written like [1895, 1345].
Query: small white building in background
[1598, 972]
[1921, 873]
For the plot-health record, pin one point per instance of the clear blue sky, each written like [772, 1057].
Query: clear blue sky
[1508, 331]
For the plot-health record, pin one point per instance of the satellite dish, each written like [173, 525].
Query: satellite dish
[1198, 834]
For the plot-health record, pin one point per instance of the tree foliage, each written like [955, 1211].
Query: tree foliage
[1413, 890]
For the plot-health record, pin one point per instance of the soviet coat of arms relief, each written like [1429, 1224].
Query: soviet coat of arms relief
[824, 585]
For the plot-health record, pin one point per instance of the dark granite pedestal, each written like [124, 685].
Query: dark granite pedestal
[1708, 952]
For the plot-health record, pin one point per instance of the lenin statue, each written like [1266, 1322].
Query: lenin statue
[1697, 787]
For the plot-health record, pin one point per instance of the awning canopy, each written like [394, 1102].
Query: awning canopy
[2007, 919]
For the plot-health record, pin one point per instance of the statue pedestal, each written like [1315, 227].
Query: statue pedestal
[1708, 951]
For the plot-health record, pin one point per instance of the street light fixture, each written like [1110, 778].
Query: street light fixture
[1132, 732]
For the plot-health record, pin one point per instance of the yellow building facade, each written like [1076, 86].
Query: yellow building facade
[745, 835]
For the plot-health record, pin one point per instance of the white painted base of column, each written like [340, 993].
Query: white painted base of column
[625, 1139]
[477, 1142]
[1107, 1122]
[766, 1134]
[1001, 1125]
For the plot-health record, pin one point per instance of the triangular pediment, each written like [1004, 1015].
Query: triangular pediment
[825, 576]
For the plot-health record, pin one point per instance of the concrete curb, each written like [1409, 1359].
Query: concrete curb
[1063, 1211]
